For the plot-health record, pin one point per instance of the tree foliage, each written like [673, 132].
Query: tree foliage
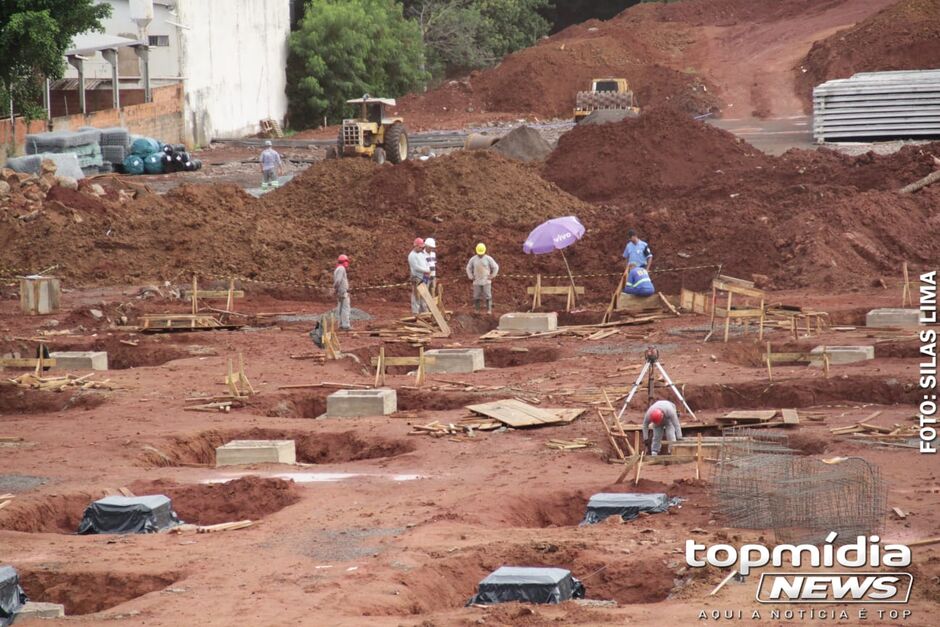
[461, 35]
[345, 48]
[34, 35]
[564, 13]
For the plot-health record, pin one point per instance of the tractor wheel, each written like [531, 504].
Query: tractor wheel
[379, 156]
[396, 143]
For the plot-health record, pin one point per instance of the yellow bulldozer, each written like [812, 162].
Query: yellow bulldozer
[373, 134]
[606, 94]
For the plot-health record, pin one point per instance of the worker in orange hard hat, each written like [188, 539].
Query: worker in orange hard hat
[664, 419]
[341, 288]
[420, 273]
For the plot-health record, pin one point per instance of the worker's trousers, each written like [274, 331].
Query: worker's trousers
[342, 310]
[417, 303]
[658, 430]
[483, 296]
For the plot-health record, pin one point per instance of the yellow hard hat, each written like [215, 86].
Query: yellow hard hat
[481, 248]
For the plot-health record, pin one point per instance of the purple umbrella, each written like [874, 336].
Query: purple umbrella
[555, 234]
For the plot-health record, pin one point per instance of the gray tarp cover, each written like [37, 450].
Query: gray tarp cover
[129, 514]
[627, 505]
[530, 585]
[12, 597]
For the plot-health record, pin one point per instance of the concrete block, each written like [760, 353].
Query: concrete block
[893, 318]
[39, 295]
[529, 322]
[353, 403]
[80, 360]
[256, 452]
[455, 360]
[844, 354]
[34, 609]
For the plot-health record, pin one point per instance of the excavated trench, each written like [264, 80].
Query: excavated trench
[449, 582]
[87, 592]
[147, 353]
[16, 401]
[506, 357]
[311, 448]
[800, 393]
[293, 405]
[417, 400]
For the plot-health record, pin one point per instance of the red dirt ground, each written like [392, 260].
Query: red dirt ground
[903, 36]
[373, 550]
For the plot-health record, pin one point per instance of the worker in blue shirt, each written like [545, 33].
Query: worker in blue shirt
[637, 251]
[638, 281]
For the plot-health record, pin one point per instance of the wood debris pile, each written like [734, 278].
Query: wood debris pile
[863, 430]
[58, 384]
[586, 331]
[466, 426]
[565, 445]
[229, 526]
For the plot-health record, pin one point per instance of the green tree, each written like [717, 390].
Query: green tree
[34, 35]
[511, 25]
[345, 48]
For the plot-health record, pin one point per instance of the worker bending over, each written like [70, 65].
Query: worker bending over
[482, 269]
[664, 418]
[638, 281]
[420, 273]
[341, 287]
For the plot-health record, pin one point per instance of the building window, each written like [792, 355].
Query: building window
[159, 40]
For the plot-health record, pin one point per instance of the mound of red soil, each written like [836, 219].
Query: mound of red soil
[905, 36]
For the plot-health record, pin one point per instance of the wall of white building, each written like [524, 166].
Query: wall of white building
[234, 58]
[230, 54]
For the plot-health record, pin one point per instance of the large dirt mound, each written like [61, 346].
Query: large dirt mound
[905, 36]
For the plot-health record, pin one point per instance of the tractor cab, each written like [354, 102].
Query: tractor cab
[373, 134]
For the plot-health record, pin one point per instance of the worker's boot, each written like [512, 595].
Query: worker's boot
[489, 307]
[476, 304]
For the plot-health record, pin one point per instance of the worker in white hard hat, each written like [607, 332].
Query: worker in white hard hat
[430, 251]
[270, 165]
[482, 269]
[419, 273]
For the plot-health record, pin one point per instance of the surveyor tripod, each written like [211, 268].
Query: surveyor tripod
[652, 359]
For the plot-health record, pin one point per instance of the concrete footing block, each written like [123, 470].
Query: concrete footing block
[844, 354]
[35, 609]
[893, 318]
[354, 403]
[80, 360]
[455, 360]
[529, 322]
[239, 452]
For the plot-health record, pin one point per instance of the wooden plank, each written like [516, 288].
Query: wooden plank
[748, 415]
[750, 292]
[432, 307]
[783, 358]
[924, 542]
[897, 512]
[738, 313]
[215, 294]
[15, 362]
[518, 414]
[557, 290]
[403, 361]
[790, 417]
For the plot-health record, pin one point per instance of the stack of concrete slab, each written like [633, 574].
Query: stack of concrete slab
[239, 452]
[355, 403]
[455, 360]
[878, 105]
[529, 322]
[902, 318]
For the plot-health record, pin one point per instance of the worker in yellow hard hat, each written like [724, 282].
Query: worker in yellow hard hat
[482, 269]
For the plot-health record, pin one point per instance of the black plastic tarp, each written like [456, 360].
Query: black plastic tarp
[627, 505]
[129, 514]
[528, 585]
[12, 597]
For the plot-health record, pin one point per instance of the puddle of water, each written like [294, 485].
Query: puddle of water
[312, 477]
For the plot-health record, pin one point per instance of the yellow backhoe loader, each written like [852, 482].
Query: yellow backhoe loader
[373, 134]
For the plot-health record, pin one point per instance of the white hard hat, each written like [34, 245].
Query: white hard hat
[430, 242]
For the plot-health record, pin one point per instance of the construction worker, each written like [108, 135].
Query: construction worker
[341, 287]
[430, 249]
[419, 273]
[482, 269]
[270, 166]
[664, 418]
[638, 281]
[637, 251]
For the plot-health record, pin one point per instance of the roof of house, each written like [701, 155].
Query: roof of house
[89, 43]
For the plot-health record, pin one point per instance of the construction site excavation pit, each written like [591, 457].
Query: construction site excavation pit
[512, 357]
[16, 401]
[311, 447]
[88, 592]
[417, 400]
[609, 574]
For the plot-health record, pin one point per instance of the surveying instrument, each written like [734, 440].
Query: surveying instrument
[652, 359]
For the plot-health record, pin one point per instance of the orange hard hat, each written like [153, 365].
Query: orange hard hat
[419, 241]
[342, 258]
[656, 416]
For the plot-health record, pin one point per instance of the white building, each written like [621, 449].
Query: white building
[231, 56]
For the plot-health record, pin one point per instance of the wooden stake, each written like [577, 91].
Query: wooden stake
[537, 293]
[571, 292]
[380, 368]
[230, 301]
[770, 373]
[419, 378]
[230, 380]
[925, 542]
[698, 457]
[639, 466]
[195, 295]
[723, 582]
[906, 298]
[610, 436]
